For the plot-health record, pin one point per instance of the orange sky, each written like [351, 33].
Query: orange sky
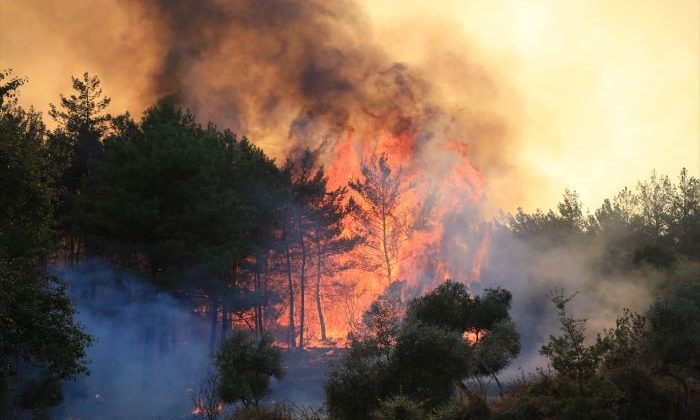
[606, 90]
[597, 93]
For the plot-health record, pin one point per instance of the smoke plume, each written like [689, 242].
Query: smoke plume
[531, 272]
[296, 74]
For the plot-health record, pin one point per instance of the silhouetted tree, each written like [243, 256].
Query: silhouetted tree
[74, 146]
[305, 187]
[685, 228]
[244, 367]
[567, 352]
[483, 319]
[328, 224]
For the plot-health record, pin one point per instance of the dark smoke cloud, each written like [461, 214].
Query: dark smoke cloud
[303, 72]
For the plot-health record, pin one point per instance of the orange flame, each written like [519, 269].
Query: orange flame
[451, 243]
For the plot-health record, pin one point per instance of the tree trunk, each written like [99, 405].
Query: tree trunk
[258, 306]
[263, 308]
[385, 247]
[302, 284]
[321, 320]
[290, 285]
[495, 378]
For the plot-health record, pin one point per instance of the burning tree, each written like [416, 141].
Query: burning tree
[380, 218]
[305, 188]
[330, 242]
[312, 234]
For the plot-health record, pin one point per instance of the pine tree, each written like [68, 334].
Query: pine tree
[380, 218]
[74, 146]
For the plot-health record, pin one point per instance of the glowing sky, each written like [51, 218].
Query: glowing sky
[597, 93]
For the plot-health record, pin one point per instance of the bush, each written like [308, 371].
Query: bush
[446, 337]
[354, 385]
[429, 362]
[244, 367]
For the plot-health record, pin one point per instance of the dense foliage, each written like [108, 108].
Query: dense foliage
[244, 367]
[170, 194]
[629, 372]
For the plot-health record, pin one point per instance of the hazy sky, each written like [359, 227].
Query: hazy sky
[597, 93]
[606, 91]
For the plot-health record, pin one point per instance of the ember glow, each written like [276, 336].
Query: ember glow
[200, 410]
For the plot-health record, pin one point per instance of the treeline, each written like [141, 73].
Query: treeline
[208, 215]
[656, 223]
[200, 211]
[197, 210]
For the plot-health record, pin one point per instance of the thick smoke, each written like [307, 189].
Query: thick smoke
[296, 74]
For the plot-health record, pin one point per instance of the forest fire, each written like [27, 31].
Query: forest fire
[320, 91]
[313, 209]
[435, 232]
[442, 234]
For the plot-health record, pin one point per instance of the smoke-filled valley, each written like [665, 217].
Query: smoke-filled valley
[292, 221]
